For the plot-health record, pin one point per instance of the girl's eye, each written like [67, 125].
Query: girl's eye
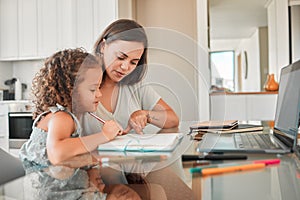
[133, 63]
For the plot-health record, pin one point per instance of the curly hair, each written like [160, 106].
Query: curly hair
[55, 81]
[126, 30]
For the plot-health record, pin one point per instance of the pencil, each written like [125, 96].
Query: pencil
[98, 118]
[213, 171]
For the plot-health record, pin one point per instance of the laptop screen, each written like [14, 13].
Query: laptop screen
[288, 102]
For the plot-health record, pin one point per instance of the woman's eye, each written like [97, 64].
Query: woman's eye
[121, 58]
[134, 63]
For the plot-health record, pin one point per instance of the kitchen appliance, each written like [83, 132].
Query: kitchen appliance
[15, 91]
[18, 90]
[20, 124]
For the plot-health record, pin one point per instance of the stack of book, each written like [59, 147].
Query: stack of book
[226, 126]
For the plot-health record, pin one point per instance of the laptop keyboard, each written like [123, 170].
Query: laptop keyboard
[254, 141]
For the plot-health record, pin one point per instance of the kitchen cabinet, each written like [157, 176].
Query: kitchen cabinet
[4, 126]
[35, 29]
[243, 106]
[9, 28]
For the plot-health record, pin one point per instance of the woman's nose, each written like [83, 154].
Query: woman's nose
[124, 66]
[98, 93]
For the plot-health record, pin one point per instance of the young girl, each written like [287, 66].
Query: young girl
[65, 87]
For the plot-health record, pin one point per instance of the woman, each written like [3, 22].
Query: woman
[123, 46]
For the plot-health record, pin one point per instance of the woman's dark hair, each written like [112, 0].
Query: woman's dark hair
[126, 30]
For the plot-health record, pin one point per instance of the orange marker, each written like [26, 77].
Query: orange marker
[213, 171]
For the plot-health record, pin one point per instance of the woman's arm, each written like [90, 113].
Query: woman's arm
[162, 115]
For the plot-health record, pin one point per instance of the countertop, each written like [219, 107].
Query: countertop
[14, 101]
[242, 93]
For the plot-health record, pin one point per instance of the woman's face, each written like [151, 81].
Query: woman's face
[121, 58]
[87, 95]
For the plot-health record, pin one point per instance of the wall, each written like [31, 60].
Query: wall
[278, 34]
[173, 54]
[251, 46]
[5, 73]
[295, 23]
[263, 55]
[25, 71]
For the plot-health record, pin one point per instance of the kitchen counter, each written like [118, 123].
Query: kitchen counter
[243, 105]
[14, 101]
[242, 93]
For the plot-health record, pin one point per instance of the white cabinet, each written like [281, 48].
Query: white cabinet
[243, 106]
[261, 107]
[27, 24]
[4, 126]
[9, 28]
[228, 107]
[35, 29]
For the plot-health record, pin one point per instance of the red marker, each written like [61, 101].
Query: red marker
[268, 162]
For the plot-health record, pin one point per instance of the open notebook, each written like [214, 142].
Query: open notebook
[146, 142]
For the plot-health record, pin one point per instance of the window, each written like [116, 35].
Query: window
[222, 69]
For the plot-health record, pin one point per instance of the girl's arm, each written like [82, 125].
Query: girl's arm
[60, 146]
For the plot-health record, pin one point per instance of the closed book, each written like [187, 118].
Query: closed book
[215, 125]
[240, 128]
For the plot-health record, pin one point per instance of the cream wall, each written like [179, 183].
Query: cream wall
[251, 46]
[174, 51]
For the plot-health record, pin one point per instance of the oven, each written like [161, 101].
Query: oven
[20, 128]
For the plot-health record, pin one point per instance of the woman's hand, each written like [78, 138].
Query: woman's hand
[111, 129]
[137, 121]
[120, 192]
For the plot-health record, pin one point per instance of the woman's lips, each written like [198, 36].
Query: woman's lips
[119, 74]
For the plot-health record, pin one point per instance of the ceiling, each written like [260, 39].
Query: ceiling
[236, 19]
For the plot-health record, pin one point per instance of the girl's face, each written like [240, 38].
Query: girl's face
[121, 58]
[87, 95]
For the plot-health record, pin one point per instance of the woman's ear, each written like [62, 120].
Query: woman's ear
[102, 46]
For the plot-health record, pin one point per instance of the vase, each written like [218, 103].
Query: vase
[271, 84]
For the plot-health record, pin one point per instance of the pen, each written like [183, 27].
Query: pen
[265, 162]
[213, 171]
[199, 169]
[98, 118]
[213, 157]
[121, 159]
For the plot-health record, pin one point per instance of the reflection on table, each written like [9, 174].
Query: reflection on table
[84, 177]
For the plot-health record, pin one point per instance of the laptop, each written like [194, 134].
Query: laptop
[281, 139]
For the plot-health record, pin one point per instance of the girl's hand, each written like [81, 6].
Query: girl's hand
[111, 129]
[137, 121]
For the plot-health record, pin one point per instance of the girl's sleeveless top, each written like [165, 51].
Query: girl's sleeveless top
[43, 185]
